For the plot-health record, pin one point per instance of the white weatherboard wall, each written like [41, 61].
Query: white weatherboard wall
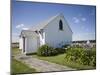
[50, 34]
[31, 44]
[55, 37]
[31, 41]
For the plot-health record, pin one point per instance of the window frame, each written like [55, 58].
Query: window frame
[60, 25]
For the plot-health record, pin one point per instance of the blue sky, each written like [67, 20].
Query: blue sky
[81, 18]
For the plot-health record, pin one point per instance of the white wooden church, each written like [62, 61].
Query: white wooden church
[55, 32]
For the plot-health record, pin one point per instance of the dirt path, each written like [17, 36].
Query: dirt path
[41, 65]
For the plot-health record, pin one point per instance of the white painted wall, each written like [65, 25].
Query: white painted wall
[31, 44]
[42, 39]
[51, 35]
[55, 37]
[20, 43]
[31, 41]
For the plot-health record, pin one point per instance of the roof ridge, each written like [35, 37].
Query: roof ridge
[43, 24]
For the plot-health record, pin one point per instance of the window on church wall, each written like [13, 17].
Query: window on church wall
[60, 25]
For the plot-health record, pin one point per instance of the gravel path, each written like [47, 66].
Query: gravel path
[41, 65]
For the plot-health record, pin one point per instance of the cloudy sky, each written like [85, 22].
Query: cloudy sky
[81, 18]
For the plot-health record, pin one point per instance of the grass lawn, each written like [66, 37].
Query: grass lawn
[15, 51]
[60, 59]
[18, 67]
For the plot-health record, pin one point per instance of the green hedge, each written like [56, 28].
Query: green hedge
[60, 50]
[81, 56]
[66, 46]
[46, 50]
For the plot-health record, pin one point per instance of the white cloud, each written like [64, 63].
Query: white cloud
[79, 19]
[83, 19]
[20, 26]
[76, 20]
[15, 35]
[25, 28]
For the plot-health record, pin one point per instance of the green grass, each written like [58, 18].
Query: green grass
[18, 67]
[15, 51]
[60, 59]
[56, 59]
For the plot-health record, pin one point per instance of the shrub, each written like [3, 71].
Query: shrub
[93, 62]
[66, 46]
[81, 56]
[46, 50]
[89, 57]
[84, 58]
[73, 53]
[60, 50]
[93, 57]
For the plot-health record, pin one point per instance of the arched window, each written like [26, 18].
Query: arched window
[60, 25]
